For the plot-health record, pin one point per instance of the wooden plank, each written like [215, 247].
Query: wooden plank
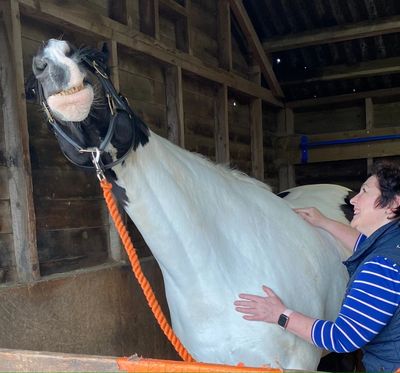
[114, 243]
[286, 172]
[17, 142]
[388, 92]
[248, 30]
[365, 29]
[108, 29]
[81, 213]
[221, 125]
[292, 153]
[364, 69]
[36, 361]
[256, 131]
[69, 249]
[182, 35]
[174, 98]
[224, 35]
[117, 10]
[173, 8]
[149, 18]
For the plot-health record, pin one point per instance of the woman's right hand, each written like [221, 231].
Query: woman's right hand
[312, 216]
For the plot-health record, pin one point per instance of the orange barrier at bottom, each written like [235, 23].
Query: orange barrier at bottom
[155, 365]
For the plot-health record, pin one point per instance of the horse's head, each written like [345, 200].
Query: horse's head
[75, 91]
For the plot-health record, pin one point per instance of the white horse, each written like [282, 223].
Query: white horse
[214, 232]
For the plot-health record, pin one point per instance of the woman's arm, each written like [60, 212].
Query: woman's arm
[367, 308]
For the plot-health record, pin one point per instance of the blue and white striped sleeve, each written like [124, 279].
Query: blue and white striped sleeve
[367, 308]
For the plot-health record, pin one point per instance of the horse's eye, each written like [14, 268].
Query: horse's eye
[39, 65]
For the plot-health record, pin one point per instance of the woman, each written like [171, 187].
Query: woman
[370, 314]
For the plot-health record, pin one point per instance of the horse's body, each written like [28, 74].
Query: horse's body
[217, 233]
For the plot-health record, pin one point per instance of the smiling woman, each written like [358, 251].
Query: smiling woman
[370, 314]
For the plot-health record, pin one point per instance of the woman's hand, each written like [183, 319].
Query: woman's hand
[257, 308]
[312, 216]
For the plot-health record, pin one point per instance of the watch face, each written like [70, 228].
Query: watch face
[283, 320]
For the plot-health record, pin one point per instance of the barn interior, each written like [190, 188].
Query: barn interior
[290, 92]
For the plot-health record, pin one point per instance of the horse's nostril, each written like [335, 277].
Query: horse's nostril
[39, 65]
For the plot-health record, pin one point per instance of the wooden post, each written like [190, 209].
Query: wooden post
[369, 124]
[17, 143]
[174, 98]
[256, 129]
[224, 35]
[121, 11]
[149, 17]
[286, 171]
[116, 249]
[221, 125]
[183, 30]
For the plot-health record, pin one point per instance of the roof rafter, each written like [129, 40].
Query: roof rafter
[335, 34]
[255, 44]
[364, 69]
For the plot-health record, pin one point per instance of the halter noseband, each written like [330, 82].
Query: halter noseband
[116, 102]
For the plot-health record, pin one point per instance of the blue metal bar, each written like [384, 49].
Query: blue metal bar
[305, 144]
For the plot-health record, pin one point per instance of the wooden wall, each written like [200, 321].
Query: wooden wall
[345, 164]
[68, 300]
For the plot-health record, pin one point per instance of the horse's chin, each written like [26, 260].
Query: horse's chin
[73, 107]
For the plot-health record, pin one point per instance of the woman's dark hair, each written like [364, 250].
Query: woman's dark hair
[388, 175]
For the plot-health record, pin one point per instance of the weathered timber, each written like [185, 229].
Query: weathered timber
[17, 143]
[107, 28]
[239, 10]
[174, 98]
[221, 125]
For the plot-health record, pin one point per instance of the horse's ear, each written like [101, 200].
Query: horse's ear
[31, 88]
[105, 51]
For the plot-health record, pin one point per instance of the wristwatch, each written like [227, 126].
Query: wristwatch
[284, 318]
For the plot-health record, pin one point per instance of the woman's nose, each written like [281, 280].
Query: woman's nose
[353, 201]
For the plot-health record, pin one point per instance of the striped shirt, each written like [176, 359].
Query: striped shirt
[367, 308]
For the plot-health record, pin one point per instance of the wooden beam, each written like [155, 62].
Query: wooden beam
[256, 130]
[335, 34]
[106, 28]
[289, 147]
[224, 35]
[221, 132]
[118, 11]
[174, 98]
[17, 143]
[37, 361]
[248, 30]
[173, 8]
[286, 171]
[388, 92]
[362, 70]
[149, 18]
[116, 250]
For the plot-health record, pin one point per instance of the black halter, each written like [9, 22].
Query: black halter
[117, 104]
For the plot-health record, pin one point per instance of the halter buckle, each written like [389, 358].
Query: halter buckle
[95, 153]
[98, 70]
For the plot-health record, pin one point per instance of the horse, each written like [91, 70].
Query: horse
[215, 232]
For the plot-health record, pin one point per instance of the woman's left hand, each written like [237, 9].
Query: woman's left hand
[257, 308]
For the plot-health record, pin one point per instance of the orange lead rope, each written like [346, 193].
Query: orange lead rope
[137, 270]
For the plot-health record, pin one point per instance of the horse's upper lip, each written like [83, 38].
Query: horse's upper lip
[71, 90]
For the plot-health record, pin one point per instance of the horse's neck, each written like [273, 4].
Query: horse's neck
[164, 200]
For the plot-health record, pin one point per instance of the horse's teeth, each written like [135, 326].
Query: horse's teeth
[71, 90]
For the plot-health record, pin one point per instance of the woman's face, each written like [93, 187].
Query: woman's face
[367, 216]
